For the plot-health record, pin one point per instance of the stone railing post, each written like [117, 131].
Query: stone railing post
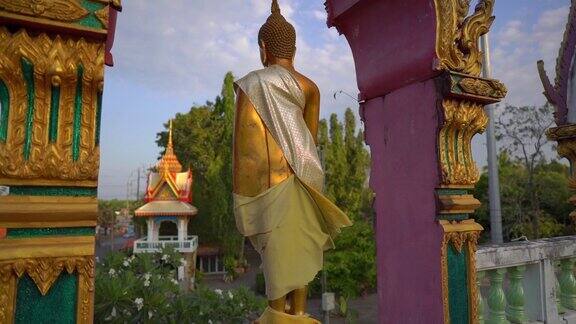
[515, 295]
[567, 284]
[52, 56]
[496, 298]
[422, 100]
[479, 277]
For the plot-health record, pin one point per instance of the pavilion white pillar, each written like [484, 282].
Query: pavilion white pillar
[150, 229]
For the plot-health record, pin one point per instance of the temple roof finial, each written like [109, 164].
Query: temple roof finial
[169, 162]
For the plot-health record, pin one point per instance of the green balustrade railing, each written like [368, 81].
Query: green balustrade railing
[515, 295]
[496, 298]
[567, 284]
[528, 282]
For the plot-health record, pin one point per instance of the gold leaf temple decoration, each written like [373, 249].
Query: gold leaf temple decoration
[457, 35]
[462, 120]
[75, 69]
[62, 10]
[44, 272]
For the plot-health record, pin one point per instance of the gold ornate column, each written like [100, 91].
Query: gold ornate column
[465, 94]
[52, 57]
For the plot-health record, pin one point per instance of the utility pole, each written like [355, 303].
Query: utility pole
[138, 185]
[493, 180]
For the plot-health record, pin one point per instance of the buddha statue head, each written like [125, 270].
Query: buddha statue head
[277, 37]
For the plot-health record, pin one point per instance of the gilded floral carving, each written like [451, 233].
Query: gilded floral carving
[62, 10]
[457, 34]
[56, 62]
[462, 120]
[483, 87]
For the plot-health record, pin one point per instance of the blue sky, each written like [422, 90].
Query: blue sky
[171, 54]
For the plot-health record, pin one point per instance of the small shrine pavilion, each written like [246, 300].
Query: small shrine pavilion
[168, 210]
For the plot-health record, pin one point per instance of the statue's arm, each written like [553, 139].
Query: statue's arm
[312, 111]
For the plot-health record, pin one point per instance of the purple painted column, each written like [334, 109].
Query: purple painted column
[418, 74]
[401, 130]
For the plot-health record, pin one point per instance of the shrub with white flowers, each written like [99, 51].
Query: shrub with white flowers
[143, 288]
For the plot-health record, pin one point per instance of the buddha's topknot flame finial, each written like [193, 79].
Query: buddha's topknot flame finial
[275, 7]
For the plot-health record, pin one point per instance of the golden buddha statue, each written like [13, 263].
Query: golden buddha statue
[278, 177]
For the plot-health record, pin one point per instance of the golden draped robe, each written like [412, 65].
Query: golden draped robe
[291, 223]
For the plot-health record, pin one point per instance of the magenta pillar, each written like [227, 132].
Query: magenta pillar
[418, 67]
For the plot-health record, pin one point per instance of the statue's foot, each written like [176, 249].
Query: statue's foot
[271, 316]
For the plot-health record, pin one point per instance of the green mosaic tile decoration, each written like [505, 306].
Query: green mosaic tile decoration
[4, 111]
[28, 71]
[53, 191]
[57, 231]
[57, 306]
[76, 134]
[458, 285]
[449, 192]
[54, 110]
[91, 20]
[453, 217]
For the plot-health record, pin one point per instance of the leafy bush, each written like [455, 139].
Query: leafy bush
[351, 267]
[142, 288]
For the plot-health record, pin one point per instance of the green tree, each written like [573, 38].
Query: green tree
[550, 181]
[351, 267]
[203, 141]
[522, 131]
[346, 161]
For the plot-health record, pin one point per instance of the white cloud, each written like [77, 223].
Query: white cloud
[186, 50]
[517, 47]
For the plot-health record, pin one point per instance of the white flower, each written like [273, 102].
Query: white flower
[147, 276]
[164, 257]
[139, 303]
[126, 263]
[146, 283]
[241, 305]
[218, 291]
[230, 295]
[174, 281]
[209, 321]
[113, 313]
[112, 272]
[150, 314]
[97, 260]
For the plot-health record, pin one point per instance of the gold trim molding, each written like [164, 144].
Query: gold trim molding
[35, 211]
[458, 204]
[46, 247]
[44, 272]
[457, 34]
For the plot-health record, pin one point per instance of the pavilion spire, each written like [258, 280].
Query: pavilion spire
[169, 162]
